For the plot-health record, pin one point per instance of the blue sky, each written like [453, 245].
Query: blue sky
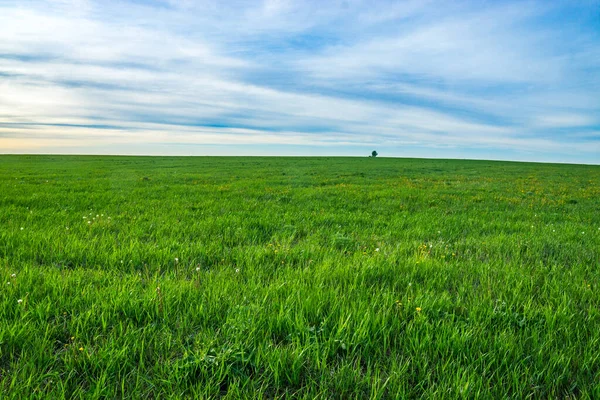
[467, 79]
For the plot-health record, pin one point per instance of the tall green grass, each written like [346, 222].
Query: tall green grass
[306, 278]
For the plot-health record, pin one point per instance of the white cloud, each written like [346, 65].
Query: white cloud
[351, 73]
[564, 120]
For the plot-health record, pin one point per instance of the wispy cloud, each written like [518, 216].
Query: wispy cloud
[513, 80]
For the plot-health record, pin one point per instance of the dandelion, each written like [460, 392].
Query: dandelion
[418, 309]
[20, 301]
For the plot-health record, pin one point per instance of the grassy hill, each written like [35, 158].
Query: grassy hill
[298, 277]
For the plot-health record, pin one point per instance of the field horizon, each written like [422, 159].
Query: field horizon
[379, 156]
[298, 277]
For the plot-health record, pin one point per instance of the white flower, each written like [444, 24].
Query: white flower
[84, 217]
[22, 228]
[197, 269]
[377, 249]
[176, 259]
[89, 222]
[13, 275]
[237, 270]
[20, 301]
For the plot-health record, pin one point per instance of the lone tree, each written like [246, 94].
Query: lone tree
[373, 153]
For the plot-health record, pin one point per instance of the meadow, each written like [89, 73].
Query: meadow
[312, 278]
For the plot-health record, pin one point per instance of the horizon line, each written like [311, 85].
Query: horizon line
[295, 156]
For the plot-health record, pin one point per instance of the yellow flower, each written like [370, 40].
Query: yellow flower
[418, 309]
[81, 349]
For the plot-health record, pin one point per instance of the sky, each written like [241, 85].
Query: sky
[507, 80]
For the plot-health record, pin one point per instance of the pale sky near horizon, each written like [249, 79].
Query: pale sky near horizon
[512, 80]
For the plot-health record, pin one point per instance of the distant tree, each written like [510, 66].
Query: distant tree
[374, 154]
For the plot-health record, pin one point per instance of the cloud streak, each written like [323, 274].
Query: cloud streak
[512, 80]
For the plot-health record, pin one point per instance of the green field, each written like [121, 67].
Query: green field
[165, 277]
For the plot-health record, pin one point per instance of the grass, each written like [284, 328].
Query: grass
[298, 278]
